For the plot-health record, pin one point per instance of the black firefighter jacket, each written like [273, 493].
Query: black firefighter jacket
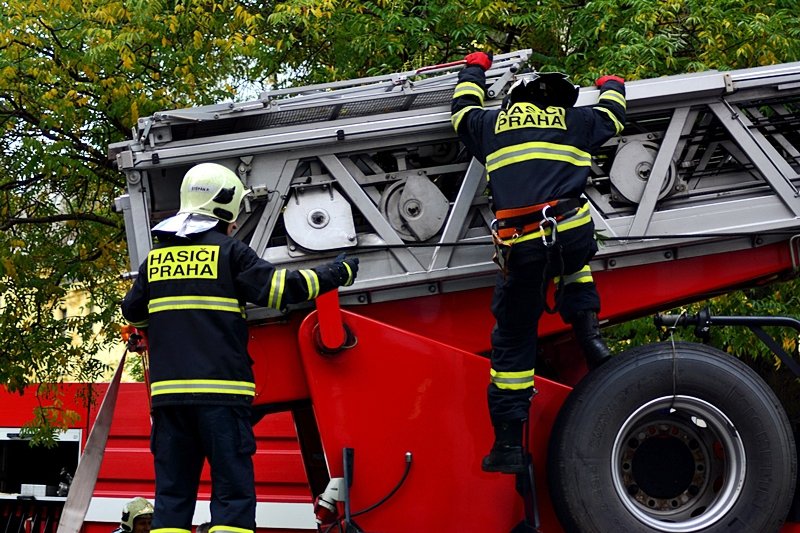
[190, 294]
[533, 154]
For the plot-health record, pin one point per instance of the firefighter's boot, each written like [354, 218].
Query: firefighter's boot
[587, 332]
[506, 455]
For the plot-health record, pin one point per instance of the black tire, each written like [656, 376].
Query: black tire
[682, 440]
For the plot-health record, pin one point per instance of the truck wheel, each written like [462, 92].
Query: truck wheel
[674, 438]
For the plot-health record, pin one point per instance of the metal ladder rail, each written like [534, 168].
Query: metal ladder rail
[435, 77]
[656, 96]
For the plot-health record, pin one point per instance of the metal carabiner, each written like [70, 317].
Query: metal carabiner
[545, 223]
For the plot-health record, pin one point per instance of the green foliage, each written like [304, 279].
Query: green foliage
[135, 366]
[780, 299]
[644, 39]
[361, 38]
[49, 417]
[76, 76]
[633, 38]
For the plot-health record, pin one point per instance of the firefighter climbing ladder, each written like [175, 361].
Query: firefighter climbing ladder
[373, 166]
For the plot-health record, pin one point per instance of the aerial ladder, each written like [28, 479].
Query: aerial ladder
[386, 379]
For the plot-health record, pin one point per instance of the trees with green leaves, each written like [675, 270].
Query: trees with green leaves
[76, 76]
[633, 38]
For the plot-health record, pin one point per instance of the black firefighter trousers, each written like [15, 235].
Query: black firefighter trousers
[518, 304]
[183, 436]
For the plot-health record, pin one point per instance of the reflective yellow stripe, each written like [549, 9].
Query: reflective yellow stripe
[276, 288]
[169, 530]
[229, 528]
[583, 275]
[537, 150]
[232, 529]
[456, 118]
[618, 126]
[213, 303]
[349, 274]
[142, 324]
[467, 88]
[583, 216]
[512, 380]
[614, 96]
[312, 283]
[213, 386]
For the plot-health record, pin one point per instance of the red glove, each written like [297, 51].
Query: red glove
[135, 339]
[480, 59]
[608, 77]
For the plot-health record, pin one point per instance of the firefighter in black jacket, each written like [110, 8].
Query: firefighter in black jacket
[190, 296]
[537, 150]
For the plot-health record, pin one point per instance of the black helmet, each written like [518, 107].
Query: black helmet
[544, 88]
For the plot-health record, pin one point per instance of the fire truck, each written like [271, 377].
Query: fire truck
[371, 401]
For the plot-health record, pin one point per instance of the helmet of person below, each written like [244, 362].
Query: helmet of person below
[134, 509]
[547, 88]
[211, 189]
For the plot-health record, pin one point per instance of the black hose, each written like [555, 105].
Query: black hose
[392, 492]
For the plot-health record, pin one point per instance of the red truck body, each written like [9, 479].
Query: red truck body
[413, 383]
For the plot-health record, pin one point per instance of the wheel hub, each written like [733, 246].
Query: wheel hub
[678, 464]
[663, 466]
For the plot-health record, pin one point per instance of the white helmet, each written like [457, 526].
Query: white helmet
[213, 190]
[134, 509]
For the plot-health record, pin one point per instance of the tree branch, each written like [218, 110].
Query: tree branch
[85, 217]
